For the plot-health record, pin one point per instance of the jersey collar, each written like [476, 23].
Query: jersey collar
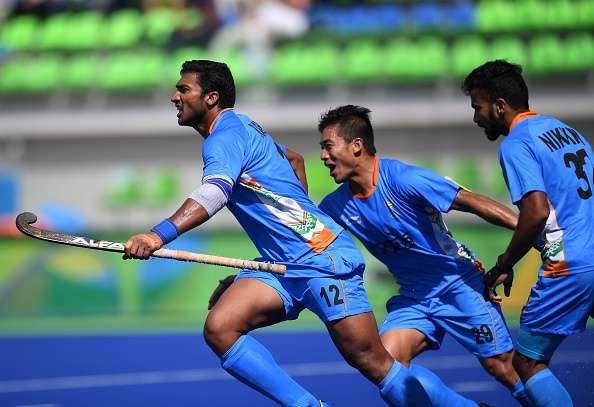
[374, 180]
[521, 117]
[216, 119]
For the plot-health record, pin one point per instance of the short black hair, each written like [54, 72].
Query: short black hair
[499, 79]
[213, 76]
[353, 121]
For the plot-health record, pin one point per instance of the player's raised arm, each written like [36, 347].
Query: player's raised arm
[298, 163]
[486, 208]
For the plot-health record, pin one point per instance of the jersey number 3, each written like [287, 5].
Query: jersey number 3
[332, 289]
[579, 160]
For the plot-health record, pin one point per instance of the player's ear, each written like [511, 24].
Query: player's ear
[500, 107]
[212, 98]
[357, 146]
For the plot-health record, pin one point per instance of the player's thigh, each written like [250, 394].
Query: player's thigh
[247, 304]
[475, 323]
[404, 344]
[559, 305]
[407, 329]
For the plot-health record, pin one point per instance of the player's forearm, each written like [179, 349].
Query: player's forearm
[531, 222]
[485, 208]
[190, 215]
[522, 241]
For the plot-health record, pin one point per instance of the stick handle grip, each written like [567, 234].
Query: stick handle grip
[220, 261]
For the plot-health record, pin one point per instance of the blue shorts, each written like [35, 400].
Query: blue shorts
[334, 294]
[476, 324]
[559, 305]
[538, 346]
[330, 298]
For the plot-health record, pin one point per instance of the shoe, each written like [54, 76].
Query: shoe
[324, 404]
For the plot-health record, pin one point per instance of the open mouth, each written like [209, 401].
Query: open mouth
[332, 168]
[179, 110]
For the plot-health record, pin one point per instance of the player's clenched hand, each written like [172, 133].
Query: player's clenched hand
[497, 275]
[142, 246]
[220, 289]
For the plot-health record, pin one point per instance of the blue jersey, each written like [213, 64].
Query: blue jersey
[544, 154]
[266, 198]
[400, 223]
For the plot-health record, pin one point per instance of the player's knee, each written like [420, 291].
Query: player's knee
[216, 331]
[370, 361]
[527, 367]
[403, 357]
[502, 370]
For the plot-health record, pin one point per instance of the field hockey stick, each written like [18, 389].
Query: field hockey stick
[25, 219]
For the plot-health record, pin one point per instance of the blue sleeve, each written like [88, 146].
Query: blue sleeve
[223, 152]
[521, 169]
[428, 187]
[326, 206]
[329, 207]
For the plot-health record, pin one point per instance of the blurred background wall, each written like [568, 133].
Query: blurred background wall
[89, 139]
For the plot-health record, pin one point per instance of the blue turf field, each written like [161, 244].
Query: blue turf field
[179, 370]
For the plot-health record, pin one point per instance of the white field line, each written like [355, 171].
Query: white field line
[297, 369]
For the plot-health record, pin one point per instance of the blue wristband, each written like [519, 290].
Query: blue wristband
[166, 230]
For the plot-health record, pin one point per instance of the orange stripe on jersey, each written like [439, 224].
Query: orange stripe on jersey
[216, 119]
[521, 117]
[555, 269]
[373, 181]
[321, 240]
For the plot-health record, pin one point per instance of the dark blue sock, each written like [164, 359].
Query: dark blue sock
[400, 388]
[440, 394]
[546, 391]
[251, 363]
[519, 393]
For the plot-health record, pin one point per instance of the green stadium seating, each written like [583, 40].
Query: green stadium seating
[20, 33]
[424, 59]
[80, 72]
[533, 15]
[400, 59]
[55, 33]
[511, 49]
[498, 16]
[160, 24]
[562, 14]
[127, 70]
[31, 74]
[468, 52]
[45, 73]
[86, 30]
[585, 11]
[432, 58]
[305, 64]
[361, 60]
[13, 75]
[579, 49]
[124, 29]
[546, 55]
